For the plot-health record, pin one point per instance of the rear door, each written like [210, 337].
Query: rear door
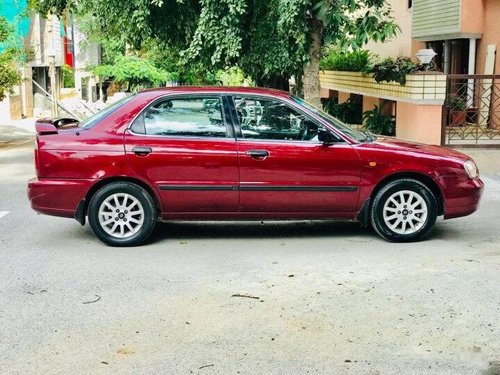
[284, 168]
[186, 149]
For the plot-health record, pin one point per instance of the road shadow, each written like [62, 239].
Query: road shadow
[258, 230]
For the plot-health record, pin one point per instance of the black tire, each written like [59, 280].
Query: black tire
[128, 206]
[404, 210]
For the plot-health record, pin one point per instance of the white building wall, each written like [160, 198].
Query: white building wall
[5, 109]
[46, 34]
[86, 54]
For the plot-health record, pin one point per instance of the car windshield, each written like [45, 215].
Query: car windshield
[339, 125]
[94, 119]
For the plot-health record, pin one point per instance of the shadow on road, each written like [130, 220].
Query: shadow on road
[197, 230]
[258, 230]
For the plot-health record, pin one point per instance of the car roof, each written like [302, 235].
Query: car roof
[218, 89]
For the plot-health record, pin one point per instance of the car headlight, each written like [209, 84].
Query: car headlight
[471, 169]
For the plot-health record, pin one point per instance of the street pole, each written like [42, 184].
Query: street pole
[52, 75]
[51, 56]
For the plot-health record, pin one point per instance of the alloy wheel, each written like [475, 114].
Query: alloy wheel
[121, 215]
[405, 212]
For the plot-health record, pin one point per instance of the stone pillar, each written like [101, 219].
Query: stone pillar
[472, 70]
[419, 122]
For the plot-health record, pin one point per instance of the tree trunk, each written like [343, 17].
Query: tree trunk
[310, 80]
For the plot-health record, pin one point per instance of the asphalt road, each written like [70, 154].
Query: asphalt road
[328, 298]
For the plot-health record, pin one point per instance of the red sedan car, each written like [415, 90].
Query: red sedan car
[217, 153]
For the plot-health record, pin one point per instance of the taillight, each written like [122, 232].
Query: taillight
[36, 157]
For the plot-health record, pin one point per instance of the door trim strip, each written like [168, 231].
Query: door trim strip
[258, 188]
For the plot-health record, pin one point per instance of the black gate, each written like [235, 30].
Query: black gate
[471, 114]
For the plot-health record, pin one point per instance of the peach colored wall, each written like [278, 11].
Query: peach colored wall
[420, 123]
[401, 44]
[472, 16]
[415, 47]
[369, 102]
[491, 35]
[326, 93]
[343, 96]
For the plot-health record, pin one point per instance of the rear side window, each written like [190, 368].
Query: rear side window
[101, 115]
[190, 117]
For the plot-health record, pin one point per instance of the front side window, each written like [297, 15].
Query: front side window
[272, 119]
[191, 117]
[339, 125]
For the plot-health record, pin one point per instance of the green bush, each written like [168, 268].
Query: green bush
[355, 61]
[9, 76]
[135, 71]
[68, 76]
[455, 103]
[348, 112]
[378, 123]
[394, 70]
[233, 76]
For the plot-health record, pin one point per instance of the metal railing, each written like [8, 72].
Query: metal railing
[471, 114]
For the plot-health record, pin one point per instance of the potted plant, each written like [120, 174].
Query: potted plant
[379, 123]
[457, 110]
[394, 70]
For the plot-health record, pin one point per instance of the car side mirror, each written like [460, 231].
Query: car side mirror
[326, 137]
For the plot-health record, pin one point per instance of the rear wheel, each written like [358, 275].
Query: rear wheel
[122, 214]
[404, 210]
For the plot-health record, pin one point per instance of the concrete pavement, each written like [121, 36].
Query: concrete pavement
[330, 298]
[16, 132]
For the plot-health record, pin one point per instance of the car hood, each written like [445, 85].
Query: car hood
[415, 148]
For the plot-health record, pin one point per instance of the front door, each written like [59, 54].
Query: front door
[184, 147]
[284, 168]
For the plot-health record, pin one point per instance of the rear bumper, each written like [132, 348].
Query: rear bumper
[461, 196]
[57, 197]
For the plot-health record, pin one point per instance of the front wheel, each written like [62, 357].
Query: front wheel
[122, 214]
[404, 210]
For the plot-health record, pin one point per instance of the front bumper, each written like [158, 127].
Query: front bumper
[461, 195]
[57, 197]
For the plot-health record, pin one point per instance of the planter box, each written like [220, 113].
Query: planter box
[427, 88]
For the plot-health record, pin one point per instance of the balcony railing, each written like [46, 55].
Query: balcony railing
[420, 88]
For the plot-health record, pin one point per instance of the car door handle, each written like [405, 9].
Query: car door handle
[142, 151]
[256, 154]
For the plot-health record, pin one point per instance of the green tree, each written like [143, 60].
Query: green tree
[270, 40]
[9, 75]
[285, 37]
[133, 71]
